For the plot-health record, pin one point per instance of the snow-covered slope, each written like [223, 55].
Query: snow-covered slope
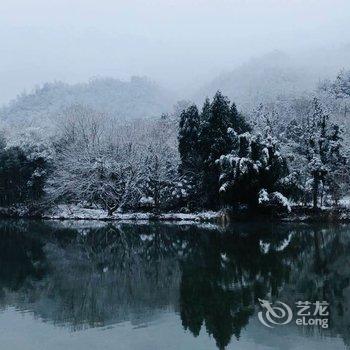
[277, 74]
[137, 98]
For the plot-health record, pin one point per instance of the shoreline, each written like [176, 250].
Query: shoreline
[225, 216]
[64, 212]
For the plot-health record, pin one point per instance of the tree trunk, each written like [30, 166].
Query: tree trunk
[315, 191]
[111, 210]
[322, 194]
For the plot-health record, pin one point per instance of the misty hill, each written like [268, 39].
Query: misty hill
[137, 98]
[276, 74]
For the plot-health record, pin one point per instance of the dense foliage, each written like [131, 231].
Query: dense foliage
[23, 171]
[287, 151]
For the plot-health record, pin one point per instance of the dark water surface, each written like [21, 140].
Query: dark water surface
[82, 286]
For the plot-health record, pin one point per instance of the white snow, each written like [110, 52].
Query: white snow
[265, 247]
[147, 237]
[282, 200]
[72, 212]
[263, 196]
[285, 243]
[147, 200]
[345, 202]
[224, 257]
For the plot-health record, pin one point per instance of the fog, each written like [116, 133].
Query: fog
[181, 44]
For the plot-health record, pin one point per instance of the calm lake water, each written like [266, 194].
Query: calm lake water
[81, 286]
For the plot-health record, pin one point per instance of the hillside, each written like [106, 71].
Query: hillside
[276, 74]
[137, 98]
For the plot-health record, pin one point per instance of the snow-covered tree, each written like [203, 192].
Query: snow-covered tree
[340, 87]
[191, 165]
[254, 165]
[215, 140]
[25, 161]
[188, 139]
[92, 167]
[113, 166]
[159, 168]
[103, 176]
[317, 144]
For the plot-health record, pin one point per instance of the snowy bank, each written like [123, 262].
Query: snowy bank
[223, 217]
[324, 215]
[68, 212]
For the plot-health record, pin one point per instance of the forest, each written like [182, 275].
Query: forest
[291, 151]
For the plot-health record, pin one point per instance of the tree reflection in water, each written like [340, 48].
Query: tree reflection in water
[81, 276]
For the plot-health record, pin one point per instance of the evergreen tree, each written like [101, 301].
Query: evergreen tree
[203, 138]
[190, 168]
[188, 140]
[21, 178]
[206, 110]
[337, 162]
[240, 125]
[214, 140]
[255, 164]
[340, 87]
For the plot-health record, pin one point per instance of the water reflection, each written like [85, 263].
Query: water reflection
[80, 276]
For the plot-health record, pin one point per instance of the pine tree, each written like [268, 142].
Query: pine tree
[206, 110]
[341, 86]
[254, 165]
[337, 161]
[240, 125]
[219, 123]
[188, 140]
[21, 178]
[203, 138]
[214, 141]
[190, 168]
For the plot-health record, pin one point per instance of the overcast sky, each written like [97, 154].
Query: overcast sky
[178, 43]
